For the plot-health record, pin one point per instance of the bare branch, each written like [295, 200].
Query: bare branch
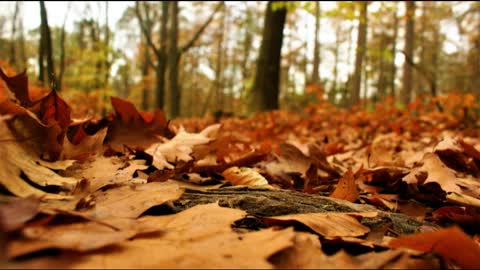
[145, 31]
[189, 44]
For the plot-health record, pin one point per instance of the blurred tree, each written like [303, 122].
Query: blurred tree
[360, 52]
[266, 86]
[46, 49]
[315, 78]
[146, 22]
[12, 59]
[408, 52]
[175, 53]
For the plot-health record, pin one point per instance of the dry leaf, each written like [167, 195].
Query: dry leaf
[15, 212]
[85, 236]
[244, 176]
[451, 243]
[24, 160]
[199, 237]
[329, 224]
[132, 201]
[180, 147]
[346, 188]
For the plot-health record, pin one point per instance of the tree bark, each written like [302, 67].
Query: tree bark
[360, 53]
[146, 25]
[267, 78]
[316, 49]
[12, 57]
[176, 53]
[393, 67]
[45, 32]
[247, 45]
[265, 202]
[62, 50]
[409, 43]
[219, 85]
[173, 57]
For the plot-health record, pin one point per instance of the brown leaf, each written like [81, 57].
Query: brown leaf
[133, 128]
[329, 224]
[23, 160]
[180, 147]
[18, 84]
[85, 236]
[451, 243]
[16, 212]
[346, 188]
[132, 201]
[244, 176]
[87, 145]
[199, 237]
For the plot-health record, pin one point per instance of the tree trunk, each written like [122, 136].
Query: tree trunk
[21, 45]
[218, 84]
[409, 43]
[393, 69]
[145, 82]
[62, 51]
[316, 49]
[333, 91]
[247, 45]
[12, 57]
[162, 58]
[175, 54]
[106, 63]
[382, 80]
[45, 32]
[173, 57]
[266, 85]
[360, 53]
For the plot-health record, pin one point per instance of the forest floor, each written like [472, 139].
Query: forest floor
[321, 188]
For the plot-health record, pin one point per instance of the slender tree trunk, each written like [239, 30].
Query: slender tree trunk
[218, 84]
[21, 45]
[333, 91]
[162, 57]
[41, 61]
[316, 49]
[12, 57]
[175, 54]
[360, 52]
[145, 81]
[106, 63]
[424, 48]
[247, 44]
[382, 80]
[62, 50]
[409, 43]
[48, 45]
[173, 57]
[393, 68]
[267, 77]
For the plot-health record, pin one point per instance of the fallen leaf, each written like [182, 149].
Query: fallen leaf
[24, 160]
[244, 176]
[328, 224]
[451, 243]
[132, 201]
[179, 148]
[346, 188]
[15, 212]
[133, 128]
[199, 237]
[84, 236]
[90, 145]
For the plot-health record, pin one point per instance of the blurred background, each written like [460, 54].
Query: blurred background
[238, 57]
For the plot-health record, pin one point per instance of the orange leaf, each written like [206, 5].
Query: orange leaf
[346, 188]
[451, 243]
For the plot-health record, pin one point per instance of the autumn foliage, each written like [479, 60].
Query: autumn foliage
[83, 185]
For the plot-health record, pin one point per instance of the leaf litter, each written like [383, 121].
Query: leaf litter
[88, 188]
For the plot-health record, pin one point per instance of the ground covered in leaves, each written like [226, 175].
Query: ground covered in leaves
[323, 188]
